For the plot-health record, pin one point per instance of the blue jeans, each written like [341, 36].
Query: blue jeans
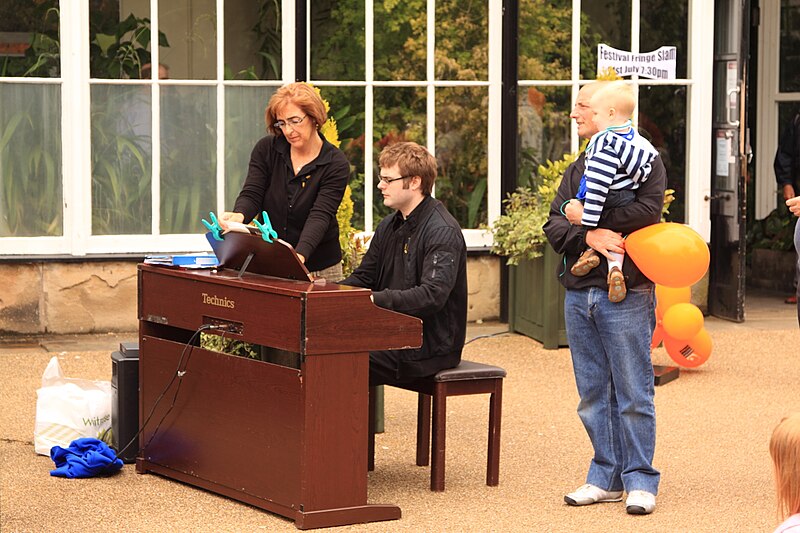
[610, 346]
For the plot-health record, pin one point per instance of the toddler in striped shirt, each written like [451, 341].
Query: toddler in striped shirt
[618, 160]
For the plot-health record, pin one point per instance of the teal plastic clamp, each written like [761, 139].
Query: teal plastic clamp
[213, 226]
[267, 233]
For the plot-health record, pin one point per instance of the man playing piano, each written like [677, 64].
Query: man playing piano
[416, 264]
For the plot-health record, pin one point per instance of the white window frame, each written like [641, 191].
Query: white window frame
[75, 123]
[76, 83]
[475, 238]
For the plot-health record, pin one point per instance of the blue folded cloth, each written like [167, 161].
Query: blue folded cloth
[84, 458]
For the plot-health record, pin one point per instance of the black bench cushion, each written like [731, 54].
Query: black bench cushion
[467, 370]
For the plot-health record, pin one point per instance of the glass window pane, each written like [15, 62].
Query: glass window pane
[252, 40]
[789, 55]
[30, 160]
[462, 40]
[337, 40]
[545, 39]
[188, 47]
[244, 126]
[461, 151]
[603, 22]
[543, 129]
[121, 159]
[188, 157]
[662, 120]
[399, 116]
[29, 39]
[400, 42]
[119, 41]
[666, 23]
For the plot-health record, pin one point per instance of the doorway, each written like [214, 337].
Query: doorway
[775, 100]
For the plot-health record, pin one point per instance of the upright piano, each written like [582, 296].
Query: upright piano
[292, 441]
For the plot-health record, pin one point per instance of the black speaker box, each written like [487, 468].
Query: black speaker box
[125, 400]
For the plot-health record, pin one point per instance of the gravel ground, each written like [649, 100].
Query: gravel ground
[714, 424]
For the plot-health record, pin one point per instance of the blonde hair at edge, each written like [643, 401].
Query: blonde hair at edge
[616, 95]
[784, 447]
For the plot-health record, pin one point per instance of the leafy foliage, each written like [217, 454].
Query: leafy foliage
[188, 157]
[268, 32]
[518, 233]
[774, 232]
[30, 154]
[122, 53]
[218, 343]
[400, 54]
[42, 56]
[121, 160]
[121, 148]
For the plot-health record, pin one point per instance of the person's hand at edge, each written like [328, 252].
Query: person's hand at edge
[604, 240]
[794, 205]
[574, 212]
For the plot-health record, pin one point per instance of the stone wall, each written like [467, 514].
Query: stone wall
[53, 297]
[98, 296]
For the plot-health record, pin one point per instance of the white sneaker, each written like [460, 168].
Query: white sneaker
[589, 494]
[640, 502]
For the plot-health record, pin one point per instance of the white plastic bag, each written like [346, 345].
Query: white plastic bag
[69, 409]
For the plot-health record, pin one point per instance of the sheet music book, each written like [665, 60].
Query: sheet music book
[203, 260]
[277, 258]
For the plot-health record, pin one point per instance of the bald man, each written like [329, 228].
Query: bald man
[610, 342]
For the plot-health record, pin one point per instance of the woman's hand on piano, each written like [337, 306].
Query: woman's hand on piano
[302, 259]
[227, 216]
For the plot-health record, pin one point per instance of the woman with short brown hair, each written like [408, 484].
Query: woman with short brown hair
[298, 178]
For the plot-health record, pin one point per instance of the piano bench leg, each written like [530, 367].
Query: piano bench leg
[423, 429]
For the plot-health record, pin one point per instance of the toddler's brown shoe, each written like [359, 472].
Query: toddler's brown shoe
[586, 262]
[616, 285]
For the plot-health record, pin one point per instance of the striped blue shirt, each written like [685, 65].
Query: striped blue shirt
[614, 161]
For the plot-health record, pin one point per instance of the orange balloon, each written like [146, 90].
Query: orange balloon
[666, 297]
[658, 336]
[669, 254]
[682, 321]
[692, 353]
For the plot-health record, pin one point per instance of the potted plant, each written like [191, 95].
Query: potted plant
[536, 303]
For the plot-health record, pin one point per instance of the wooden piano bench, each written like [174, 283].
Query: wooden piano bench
[467, 378]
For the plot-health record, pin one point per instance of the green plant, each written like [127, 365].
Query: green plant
[120, 136]
[218, 343]
[188, 158]
[30, 151]
[42, 56]
[774, 232]
[669, 197]
[122, 53]
[267, 30]
[347, 232]
[121, 160]
[518, 233]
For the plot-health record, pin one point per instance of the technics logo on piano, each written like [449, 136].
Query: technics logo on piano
[219, 302]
